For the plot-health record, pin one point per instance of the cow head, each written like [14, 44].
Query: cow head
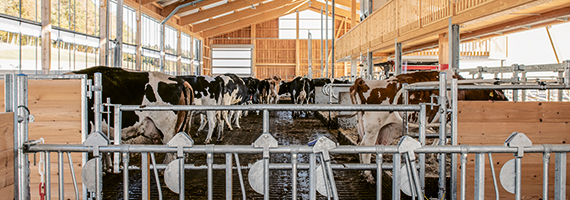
[284, 87]
[253, 91]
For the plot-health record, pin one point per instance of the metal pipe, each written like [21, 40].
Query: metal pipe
[545, 163]
[126, 176]
[145, 175]
[119, 35]
[181, 179]
[463, 166]
[518, 181]
[153, 160]
[405, 117]
[454, 108]
[266, 178]
[280, 107]
[98, 176]
[422, 140]
[410, 177]
[238, 166]
[312, 176]
[331, 177]
[379, 176]
[97, 99]
[265, 121]
[516, 77]
[327, 38]
[60, 175]
[396, 176]
[85, 84]
[560, 176]
[332, 44]
[48, 175]
[161, 45]
[325, 178]
[494, 176]
[210, 161]
[479, 192]
[442, 131]
[73, 175]
[19, 106]
[248, 149]
[117, 136]
[418, 186]
[278, 166]
[229, 176]
[322, 43]
[294, 174]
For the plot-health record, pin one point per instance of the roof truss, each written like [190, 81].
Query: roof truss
[218, 10]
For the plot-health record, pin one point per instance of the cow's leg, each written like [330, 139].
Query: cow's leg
[238, 115]
[202, 123]
[211, 124]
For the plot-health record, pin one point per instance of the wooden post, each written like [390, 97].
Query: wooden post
[353, 13]
[253, 52]
[192, 71]
[179, 53]
[297, 51]
[138, 51]
[46, 37]
[103, 40]
[443, 52]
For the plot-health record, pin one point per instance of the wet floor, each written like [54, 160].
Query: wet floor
[288, 131]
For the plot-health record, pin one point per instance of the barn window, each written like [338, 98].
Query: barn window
[235, 59]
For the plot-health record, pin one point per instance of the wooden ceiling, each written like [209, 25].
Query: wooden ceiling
[210, 18]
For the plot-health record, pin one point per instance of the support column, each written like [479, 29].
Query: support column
[46, 37]
[253, 52]
[192, 71]
[398, 59]
[103, 33]
[138, 50]
[443, 52]
[370, 63]
[297, 51]
[453, 46]
[353, 67]
[119, 40]
[179, 53]
[352, 13]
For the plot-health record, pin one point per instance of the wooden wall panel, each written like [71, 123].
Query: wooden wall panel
[490, 123]
[56, 105]
[7, 155]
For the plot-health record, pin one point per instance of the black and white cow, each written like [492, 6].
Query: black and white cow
[264, 91]
[145, 89]
[207, 91]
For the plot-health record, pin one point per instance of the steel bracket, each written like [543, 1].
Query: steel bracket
[265, 141]
[520, 141]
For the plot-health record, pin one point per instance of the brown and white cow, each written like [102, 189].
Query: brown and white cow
[380, 128]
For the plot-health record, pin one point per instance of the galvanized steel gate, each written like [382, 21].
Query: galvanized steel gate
[97, 143]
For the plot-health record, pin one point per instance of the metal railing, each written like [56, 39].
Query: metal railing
[266, 145]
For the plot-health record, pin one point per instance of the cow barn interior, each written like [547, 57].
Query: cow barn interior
[110, 99]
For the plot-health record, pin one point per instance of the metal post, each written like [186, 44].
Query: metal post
[181, 174]
[73, 175]
[370, 61]
[560, 176]
[98, 173]
[545, 163]
[145, 171]
[516, 78]
[294, 155]
[229, 176]
[21, 164]
[378, 174]
[442, 131]
[97, 98]
[454, 99]
[60, 175]
[161, 47]
[567, 72]
[322, 44]
[405, 96]
[312, 176]
[117, 137]
[210, 161]
[523, 92]
[9, 95]
[463, 166]
[422, 139]
[494, 176]
[48, 175]
[326, 38]
[398, 58]
[266, 178]
[119, 39]
[560, 81]
[265, 121]
[126, 175]
[309, 41]
[479, 176]
[84, 123]
[518, 181]
[453, 46]
[332, 45]
[396, 176]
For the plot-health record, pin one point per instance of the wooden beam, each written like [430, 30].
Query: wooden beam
[144, 2]
[443, 53]
[262, 17]
[340, 12]
[215, 11]
[46, 36]
[254, 51]
[103, 40]
[241, 15]
[168, 9]
[352, 13]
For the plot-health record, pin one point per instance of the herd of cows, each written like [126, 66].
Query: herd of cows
[158, 127]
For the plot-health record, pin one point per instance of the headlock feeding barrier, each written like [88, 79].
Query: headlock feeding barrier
[408, 174]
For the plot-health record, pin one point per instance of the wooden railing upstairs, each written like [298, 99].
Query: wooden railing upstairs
[411, 20]
[478, 48]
